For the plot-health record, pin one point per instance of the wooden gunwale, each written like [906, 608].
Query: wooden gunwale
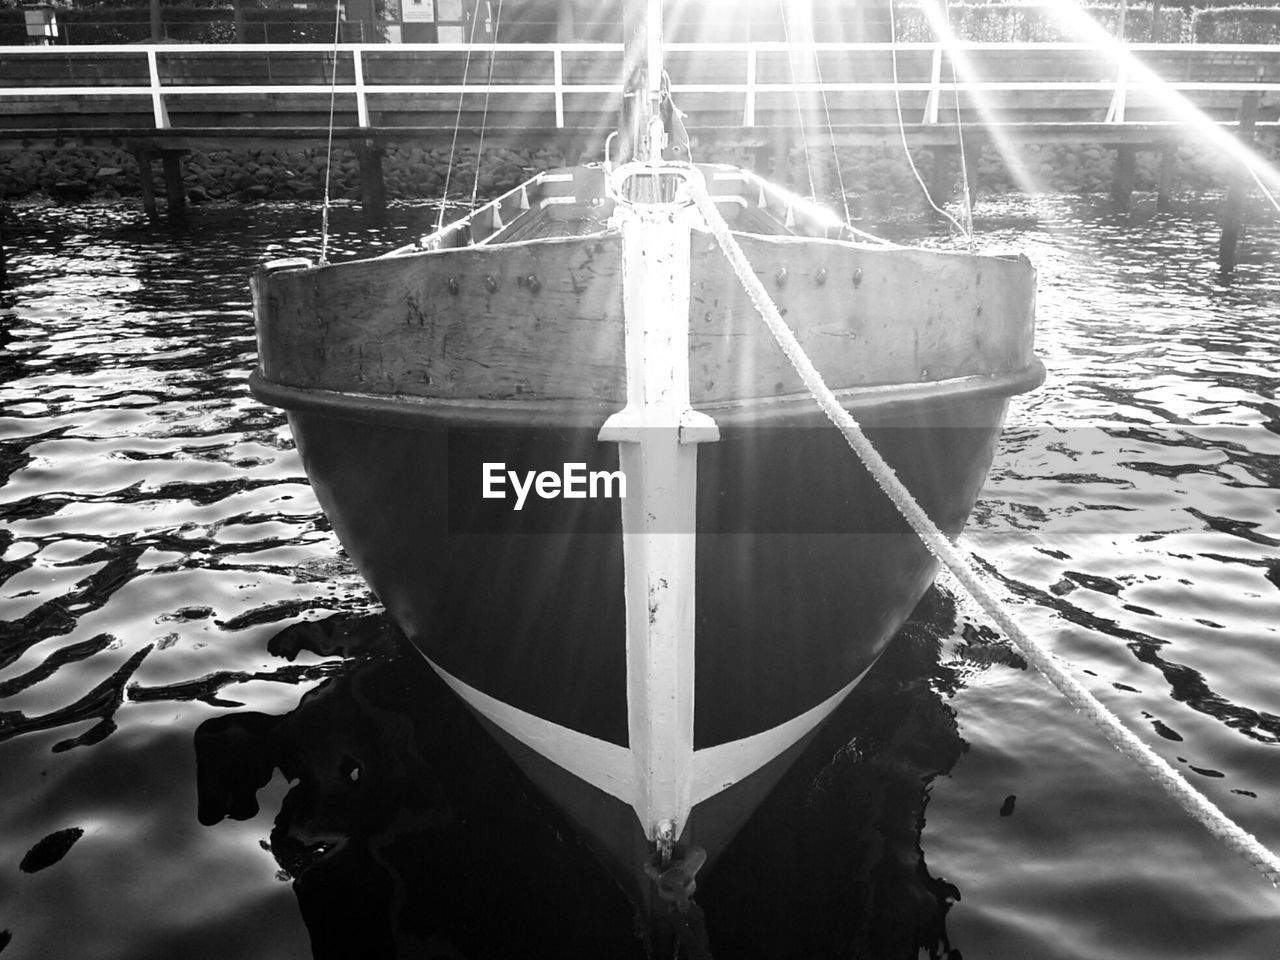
[793, 409]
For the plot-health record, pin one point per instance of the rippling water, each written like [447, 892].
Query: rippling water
[212, 743]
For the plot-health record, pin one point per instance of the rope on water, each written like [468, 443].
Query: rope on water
[1191, 800]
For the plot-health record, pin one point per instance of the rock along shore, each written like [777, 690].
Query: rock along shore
[876, 179]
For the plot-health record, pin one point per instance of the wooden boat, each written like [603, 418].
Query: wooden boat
[470, 407]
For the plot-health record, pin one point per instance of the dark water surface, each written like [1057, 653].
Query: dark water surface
[213, 745]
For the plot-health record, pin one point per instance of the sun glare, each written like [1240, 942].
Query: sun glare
[1080, 23]
[1004, 144]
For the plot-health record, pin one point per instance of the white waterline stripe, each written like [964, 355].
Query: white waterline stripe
[606, 766]
[720, 767]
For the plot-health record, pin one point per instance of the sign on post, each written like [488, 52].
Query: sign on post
[42, 25]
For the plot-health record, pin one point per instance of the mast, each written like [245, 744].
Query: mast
[642, 80]
[657, 433]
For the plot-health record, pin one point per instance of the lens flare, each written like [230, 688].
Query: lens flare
[1075, 19]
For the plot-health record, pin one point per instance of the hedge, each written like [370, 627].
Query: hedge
[1036, 22]
[212, 21]
[1237, 25]
[185, 24]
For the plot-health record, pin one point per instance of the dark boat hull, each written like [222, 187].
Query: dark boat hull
[804, 567]
[804, 573]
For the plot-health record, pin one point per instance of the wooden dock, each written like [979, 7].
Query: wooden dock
[160, 101]
[734, 93]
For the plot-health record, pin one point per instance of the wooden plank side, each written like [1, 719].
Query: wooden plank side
[506, 66]
[1032, 64]
[866, 65]
[865, 316]
[214, 68]
[539, 320]
[74, 70]
[76, 111]
[1220, 64]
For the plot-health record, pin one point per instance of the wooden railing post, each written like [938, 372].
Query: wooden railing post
[1115, 113]
[362, 102]
[159, 113]
[935, 87]
[558, 70]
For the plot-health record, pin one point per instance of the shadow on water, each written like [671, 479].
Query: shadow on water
[407, 832]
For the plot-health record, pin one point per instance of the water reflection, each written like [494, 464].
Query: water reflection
[156, 533]
[406, 831]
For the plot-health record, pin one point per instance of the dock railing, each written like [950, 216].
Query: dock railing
[723, 87]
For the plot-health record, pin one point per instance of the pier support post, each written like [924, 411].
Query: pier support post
[941, 179]
[761, 158]
[373, 191]
[176, 197]
[1122, 183]
[4, 266]
[782, 158]
[148, 188]
[1233, 212]
[972, 154]
[1164, 188]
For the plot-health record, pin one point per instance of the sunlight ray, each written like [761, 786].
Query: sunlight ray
[1078, 20]
[1004, 144]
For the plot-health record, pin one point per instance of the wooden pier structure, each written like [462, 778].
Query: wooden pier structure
[160, 101]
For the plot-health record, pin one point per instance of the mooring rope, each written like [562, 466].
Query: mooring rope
[1190, 799]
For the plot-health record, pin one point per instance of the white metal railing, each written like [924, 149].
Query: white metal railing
[919, 69]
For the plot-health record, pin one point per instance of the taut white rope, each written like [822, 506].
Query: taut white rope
[328, 156]
[1190, 799]
[484, 117]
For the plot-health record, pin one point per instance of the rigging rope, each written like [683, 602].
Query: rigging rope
[457, 122]
[328, 159]
[964, 160]
[791, 65]
[831, 132]
[1190, 799]
[902, 128]
[484, 117]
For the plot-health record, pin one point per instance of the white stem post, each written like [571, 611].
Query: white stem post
[656, 433]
